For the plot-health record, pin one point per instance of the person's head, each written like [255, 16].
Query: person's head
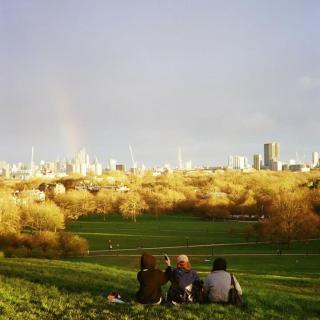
[219, 264]
[147, 262]
[183, 262]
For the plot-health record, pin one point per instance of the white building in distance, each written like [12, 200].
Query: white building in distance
[96, 168]
[315, 159]
[276, 166]
[112, 164]
[189, 165]
[238, 163]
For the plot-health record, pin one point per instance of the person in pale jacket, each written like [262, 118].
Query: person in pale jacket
[218, 282]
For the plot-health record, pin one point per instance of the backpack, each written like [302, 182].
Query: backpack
[197, 291]
[234, 297]
[192, 293]
[178, 296]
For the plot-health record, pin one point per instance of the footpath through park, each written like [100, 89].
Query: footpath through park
[122, 252]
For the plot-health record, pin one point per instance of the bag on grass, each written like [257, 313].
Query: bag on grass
[177, 295]
[234, 297]
[114, 297]
[192, 293]
[197, 291]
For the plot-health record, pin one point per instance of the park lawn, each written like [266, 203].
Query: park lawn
[176, 230]
[150, 231]
[274, 288]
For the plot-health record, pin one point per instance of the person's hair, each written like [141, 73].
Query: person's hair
[186, 265]
[219, 264]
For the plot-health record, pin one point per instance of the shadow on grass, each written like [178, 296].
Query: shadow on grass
[74, 277]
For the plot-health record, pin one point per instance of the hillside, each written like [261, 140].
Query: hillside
[44, 289]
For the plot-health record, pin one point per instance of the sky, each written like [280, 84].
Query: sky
[216, 78]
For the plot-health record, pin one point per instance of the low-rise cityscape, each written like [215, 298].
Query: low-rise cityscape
[80, 164]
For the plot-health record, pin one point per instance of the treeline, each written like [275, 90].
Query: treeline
[284, 205]
[43, 245]
[29, 228]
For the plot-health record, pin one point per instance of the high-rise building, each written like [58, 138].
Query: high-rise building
[80, 163]
[238, 162]
[5, 172]
[180, 166]
[189, 165]
[96, 168]
[83, 169]
[4, 169]
[70, 168]
[120, 167]
[271, 153]
[257, 161]
[32, 162]
[82, 157]
[276, 166]
[112, 164]
[315, 159]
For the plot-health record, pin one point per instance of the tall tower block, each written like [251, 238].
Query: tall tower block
[32, 161]
[271, 153]
[180, 167]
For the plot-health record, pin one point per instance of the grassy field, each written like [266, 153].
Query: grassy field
[275, 287]
[152, 232]
[177, 230]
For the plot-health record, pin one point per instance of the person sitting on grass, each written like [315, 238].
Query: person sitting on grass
[218, 282]
[151, 280]
[182, 278]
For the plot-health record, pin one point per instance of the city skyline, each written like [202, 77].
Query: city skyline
[271, 155]
[179, 161]
[213, 78]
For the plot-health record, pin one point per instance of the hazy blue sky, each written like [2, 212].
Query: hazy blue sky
[214, 77]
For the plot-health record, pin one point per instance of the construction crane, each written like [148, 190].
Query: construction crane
[132, 158]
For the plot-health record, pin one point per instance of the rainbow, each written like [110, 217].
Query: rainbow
[69, 129]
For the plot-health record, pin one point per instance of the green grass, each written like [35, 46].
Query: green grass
[176, 230]
[150, 231]
[42, 289]
[275, 287]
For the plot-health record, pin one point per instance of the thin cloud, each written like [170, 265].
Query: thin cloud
[308, 82]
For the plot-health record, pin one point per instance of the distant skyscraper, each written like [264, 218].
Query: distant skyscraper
[112, 164]
[238, 162]
[70, 168]
[257, 161]
[82, 157]
[4, 169]
[180, 166]
[83, 169]
[315, 159]
[189, 165]
[276, 166]
[32, 162]
[96, 167]
[271, 153]
[120, 167]
[80, 162]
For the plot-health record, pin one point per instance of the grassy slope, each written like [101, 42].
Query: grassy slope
[275, 287]
[42, 289]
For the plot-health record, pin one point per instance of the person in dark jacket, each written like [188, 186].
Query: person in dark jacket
[151, 280]
[182, 279]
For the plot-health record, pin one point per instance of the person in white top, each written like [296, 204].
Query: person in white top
[218, 282]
